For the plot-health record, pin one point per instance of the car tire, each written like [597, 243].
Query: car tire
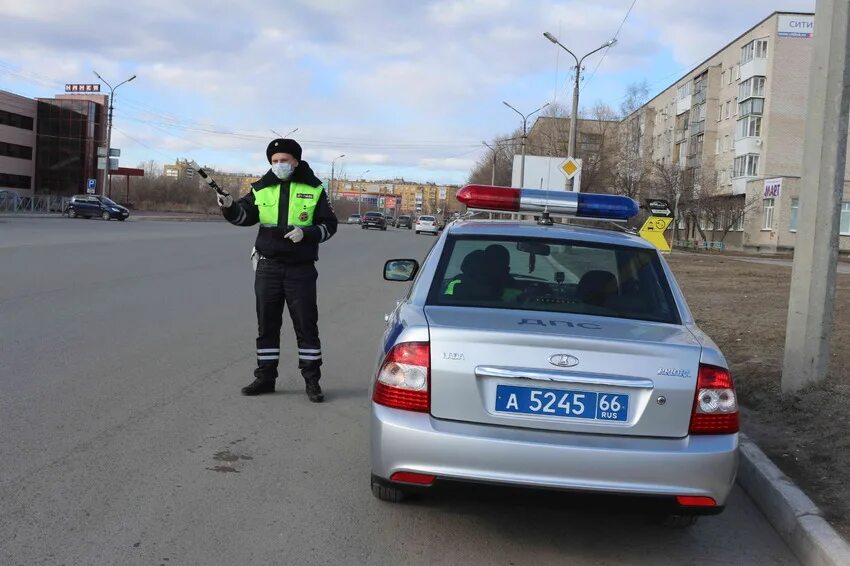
[72, 213]
[387, 493]
[384, 229]
[364, 227]
[106, 216]
[417, 232]
[122, 219]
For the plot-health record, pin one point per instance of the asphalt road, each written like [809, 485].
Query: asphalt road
[125, 440]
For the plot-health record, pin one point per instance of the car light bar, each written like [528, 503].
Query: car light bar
[581, 205]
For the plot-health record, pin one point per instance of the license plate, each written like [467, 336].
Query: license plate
[562, 403]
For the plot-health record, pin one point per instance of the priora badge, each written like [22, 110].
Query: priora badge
[563, 360]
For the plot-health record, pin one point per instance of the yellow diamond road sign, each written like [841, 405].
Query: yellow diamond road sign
[653, 232]
[570, 167]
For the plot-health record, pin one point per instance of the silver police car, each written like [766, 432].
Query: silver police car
[550, 356]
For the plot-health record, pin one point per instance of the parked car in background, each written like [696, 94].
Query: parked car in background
[354, 219]
[90, 206]
[374, 220]
[404, 221]
[427, 224]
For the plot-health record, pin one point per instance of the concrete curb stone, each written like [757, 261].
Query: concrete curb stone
[797, 519]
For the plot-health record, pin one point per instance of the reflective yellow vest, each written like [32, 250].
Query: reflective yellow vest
[303, 200]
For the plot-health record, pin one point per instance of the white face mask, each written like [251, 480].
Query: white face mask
[282, 170]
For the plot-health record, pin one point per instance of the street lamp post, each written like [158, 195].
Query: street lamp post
[109, 128]
[574, 117]
[333, 162]
[286, 136]
[360, 200]
[525, 118]
[493, 171]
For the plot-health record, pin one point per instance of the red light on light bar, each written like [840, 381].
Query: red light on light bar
[486, 197]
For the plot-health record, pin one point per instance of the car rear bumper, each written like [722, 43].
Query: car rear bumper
[702, 466]
[427, 229]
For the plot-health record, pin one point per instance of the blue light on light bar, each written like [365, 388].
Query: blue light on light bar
[613, 207]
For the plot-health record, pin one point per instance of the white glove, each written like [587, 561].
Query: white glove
[225, 201]
[296, 235]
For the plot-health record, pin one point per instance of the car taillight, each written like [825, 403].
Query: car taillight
[715, 406]
[403, 378]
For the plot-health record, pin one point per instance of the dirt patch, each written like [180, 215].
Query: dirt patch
[744, 307]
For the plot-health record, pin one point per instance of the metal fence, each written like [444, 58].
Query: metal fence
[41, 204]
[699, 245]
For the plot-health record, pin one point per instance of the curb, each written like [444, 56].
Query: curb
[795, 517]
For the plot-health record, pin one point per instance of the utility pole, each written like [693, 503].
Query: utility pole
[360, 199]
[525, 118]
[808, 338]
[493, 172]
[333, 162]
[574, 117]
[109, 129]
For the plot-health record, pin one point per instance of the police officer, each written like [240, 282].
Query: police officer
[295, 216]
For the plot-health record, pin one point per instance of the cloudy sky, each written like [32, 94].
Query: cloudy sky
[403, 88]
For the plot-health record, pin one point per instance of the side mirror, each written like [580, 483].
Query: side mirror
[401, 269]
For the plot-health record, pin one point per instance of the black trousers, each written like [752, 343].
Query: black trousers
[276, 284]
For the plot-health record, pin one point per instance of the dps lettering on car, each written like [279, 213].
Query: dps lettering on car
[567, 323]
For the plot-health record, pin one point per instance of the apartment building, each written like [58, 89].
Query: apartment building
[735, 126]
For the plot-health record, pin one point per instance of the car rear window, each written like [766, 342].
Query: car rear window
[427, 218]
[558, 276]
[374, 214]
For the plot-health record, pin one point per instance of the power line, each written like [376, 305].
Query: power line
[605, 53]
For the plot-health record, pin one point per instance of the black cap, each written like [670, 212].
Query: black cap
[282, 145]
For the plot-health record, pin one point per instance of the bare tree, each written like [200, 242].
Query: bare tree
[151, 168]
[636, 95]
[669, 183]
[720, 211]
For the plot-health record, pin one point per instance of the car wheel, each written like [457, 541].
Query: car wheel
[72, 213]
[387, 493]
[122, 219]
[417, 232]
[105, 216]
[384, 229]
[363, 227]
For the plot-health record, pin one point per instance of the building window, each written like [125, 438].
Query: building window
[737, 72]
[685, 90]
[728, 108]
[727, 145]
[16, 121]
[9, 181]
[746, 166]
[723, 77]
[730, 77]
[845, 219]
[767, 217]
[738, 225]
[751, 106]
[749, 127]
[15, 150]
[717, 146]
[756, 48]
[795, 212]
[751, 87]
[735, 106]
[720, 112]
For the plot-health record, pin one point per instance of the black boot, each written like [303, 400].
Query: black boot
[314, 392]
[258, 387]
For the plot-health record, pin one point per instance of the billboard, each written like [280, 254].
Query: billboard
[796, 26]
[540, 173]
